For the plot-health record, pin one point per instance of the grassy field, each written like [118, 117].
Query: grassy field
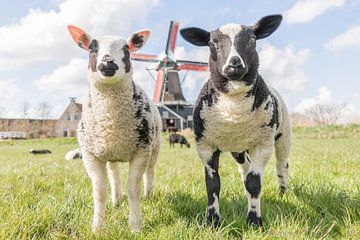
[45, 197]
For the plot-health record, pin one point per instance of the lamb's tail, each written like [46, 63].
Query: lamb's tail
[73, 154]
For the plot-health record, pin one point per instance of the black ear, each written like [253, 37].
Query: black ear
[266, 26]
[196, 36]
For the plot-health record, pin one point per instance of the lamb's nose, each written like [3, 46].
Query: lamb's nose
[235, 62]
[107, 58]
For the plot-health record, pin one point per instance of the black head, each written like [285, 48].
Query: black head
[233, 58]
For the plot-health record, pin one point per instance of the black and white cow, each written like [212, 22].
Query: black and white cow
[238, 112]
[177, 138]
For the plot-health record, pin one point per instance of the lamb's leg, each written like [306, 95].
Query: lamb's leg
[243, 163]
[210, 159]
[114, 174]
[149, 173]
[260, 155]
[282, 152]
[137, 168]
[96, 170]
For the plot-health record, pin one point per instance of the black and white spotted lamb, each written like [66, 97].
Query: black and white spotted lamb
[238, 112]
[119, 124]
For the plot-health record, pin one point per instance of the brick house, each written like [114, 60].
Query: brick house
[65, 126]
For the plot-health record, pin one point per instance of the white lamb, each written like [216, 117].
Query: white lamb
[119, 124]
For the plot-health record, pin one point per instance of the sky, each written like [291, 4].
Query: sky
[312, 58]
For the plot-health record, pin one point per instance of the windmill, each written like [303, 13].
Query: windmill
[176, 112]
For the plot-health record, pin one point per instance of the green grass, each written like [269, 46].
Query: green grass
[45, 197]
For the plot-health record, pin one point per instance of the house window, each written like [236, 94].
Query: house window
[77, 117]
[68, 117]
[165, 114]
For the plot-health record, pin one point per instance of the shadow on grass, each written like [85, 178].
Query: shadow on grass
[324, 209]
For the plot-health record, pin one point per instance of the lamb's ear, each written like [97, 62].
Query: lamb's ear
[266, 26]
[196, 36]
[82, 38]
[138, 39]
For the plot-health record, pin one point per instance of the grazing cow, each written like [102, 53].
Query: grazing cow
[177, 138]
[119, 124]
[238, 112]
[41, 151]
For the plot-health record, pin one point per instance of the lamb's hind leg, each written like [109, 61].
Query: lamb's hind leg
[149, 172]
[96, 170]
[243, 162]
[137, 168]
[282, 152]
[114, 174]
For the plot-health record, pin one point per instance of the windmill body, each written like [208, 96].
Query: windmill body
[175, 111]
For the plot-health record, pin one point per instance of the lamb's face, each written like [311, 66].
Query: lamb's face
[233, 52]
[109, 57]
[233, 59]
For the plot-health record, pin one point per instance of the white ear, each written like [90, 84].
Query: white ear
[138, 39]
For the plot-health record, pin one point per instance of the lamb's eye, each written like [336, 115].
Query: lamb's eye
[252, 40]
[212, 45]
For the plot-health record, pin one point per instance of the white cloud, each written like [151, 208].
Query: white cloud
[69, 79]
[347, 39]
[283, 68]
[8, 90]
[42, 36]
[324, 96]
[306, 10]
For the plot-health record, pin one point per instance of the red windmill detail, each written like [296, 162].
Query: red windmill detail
[168, 88]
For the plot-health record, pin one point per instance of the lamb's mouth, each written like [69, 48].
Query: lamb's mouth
[108, 72]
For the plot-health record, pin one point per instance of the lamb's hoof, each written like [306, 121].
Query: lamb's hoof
[135, 225]
[282, 190]
[214, 220]
[148, 194]
[253, 220]
[98, 226]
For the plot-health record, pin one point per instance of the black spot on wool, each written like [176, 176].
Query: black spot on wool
[278, 136]
[239, 157]
[275, 116]
[253, 184]
[207, 96]
[260, 91]
[143, 128]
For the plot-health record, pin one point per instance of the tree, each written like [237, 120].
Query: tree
[24, 109]
[326, 114]
[44, 109]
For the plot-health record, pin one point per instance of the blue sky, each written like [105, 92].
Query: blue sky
[312, 58]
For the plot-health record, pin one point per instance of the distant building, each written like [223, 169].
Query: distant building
[65, 126]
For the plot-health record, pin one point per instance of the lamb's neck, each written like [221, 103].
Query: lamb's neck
[110, 94]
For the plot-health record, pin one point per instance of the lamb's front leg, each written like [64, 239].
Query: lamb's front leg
[210, 159]
[260, 155]
[136, 171]
[96, 170]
